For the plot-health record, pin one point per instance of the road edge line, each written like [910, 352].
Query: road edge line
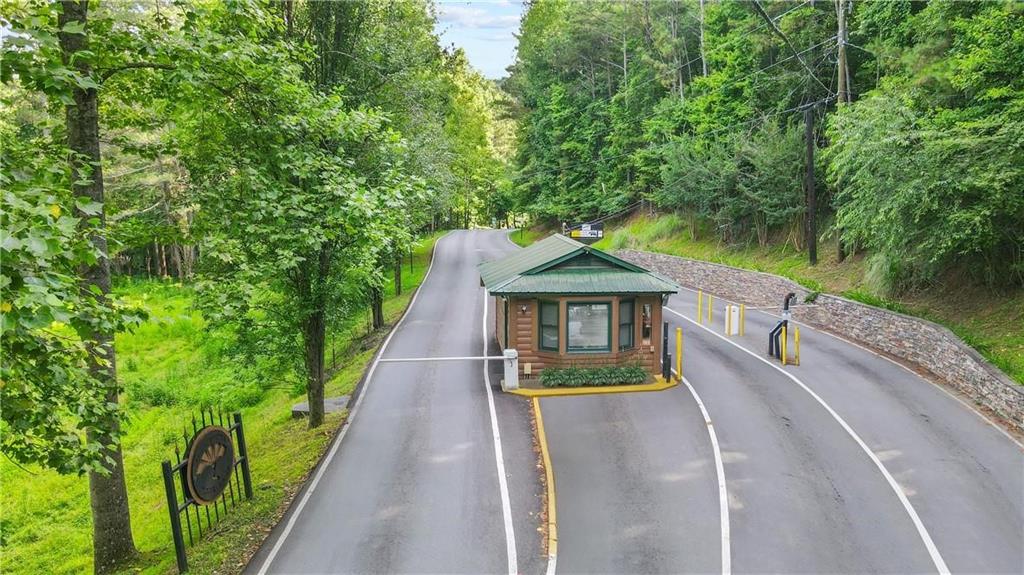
[549, 479]
[723, 491]
[326, 461]
[499, 458]
[926, 538]
[935, 383]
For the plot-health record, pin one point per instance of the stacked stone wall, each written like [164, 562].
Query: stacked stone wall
[920, 343]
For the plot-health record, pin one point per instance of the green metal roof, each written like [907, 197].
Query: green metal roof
[546, 268]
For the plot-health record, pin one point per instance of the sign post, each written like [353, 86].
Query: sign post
[206, 475]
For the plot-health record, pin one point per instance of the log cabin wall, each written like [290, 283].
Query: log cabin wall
[523, 335]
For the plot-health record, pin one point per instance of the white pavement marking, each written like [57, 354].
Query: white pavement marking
[974, 410]
[508, 236]
[723, 494]
[455, 358]
[552, 557]
[348, 422]
[922, 531]
[506, 506]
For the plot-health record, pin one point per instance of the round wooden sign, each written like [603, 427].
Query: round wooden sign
[211, 459]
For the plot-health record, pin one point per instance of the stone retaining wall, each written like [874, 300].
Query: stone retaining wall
[916, 341]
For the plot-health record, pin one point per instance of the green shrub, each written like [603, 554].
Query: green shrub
[595, 376]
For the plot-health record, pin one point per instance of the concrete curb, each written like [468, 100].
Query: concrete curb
[658, 385]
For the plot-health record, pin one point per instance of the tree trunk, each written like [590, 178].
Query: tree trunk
[313, 339]
[377, 307]
[176, 261]
[112, 533]
[398, 273]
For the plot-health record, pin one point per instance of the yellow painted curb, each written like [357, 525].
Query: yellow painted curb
[549, 476]
[659, 385]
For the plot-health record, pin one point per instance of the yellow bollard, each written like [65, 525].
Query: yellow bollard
[783, 354]
[700, 306]
[679, 353]
[743, 308]
[728, 321]
[711, 308]
[796, 340]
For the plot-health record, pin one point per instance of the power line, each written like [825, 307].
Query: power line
[762, 117]
[775, 27]
[653, 113]
[721, 46]
[799, 108]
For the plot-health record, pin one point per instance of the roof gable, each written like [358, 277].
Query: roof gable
[558, 264]
[551, 248]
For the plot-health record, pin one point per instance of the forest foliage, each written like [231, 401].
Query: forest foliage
[282, 157]
[697, 107]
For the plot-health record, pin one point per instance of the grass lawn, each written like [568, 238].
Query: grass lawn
[525, 237]
[991, 322]
[168, 366]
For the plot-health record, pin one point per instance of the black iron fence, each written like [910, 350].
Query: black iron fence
[207, 474]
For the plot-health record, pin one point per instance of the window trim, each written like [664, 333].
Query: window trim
[631, 324]
[582, 350]
[540, 324]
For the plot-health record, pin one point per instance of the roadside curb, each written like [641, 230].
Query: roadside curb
[659, 385]
[549, 480]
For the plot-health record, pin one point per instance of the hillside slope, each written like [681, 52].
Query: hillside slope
[989, 321]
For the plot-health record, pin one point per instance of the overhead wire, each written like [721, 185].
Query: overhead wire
[654, 113]
[799, 108]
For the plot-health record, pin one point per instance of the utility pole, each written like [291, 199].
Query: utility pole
[703, 54]
[844, 93]
[843, 71]
[812, 196]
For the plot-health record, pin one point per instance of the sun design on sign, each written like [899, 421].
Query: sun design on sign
[209, 457]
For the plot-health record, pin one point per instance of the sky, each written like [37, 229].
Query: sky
[483, 29]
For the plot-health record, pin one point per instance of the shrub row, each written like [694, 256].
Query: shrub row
[579, 377]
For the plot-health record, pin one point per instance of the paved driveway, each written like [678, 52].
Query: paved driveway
[848, 463]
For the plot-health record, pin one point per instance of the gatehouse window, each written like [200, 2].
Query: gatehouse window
[626, 323]
[645, 336]
[548, 325]
[589, 327]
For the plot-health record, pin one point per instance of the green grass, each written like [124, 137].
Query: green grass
[525, 237]
[168, 366]
[991, 322]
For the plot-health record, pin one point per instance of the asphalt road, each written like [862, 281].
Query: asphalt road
[413, 486]
[962, 476]
[848, 463]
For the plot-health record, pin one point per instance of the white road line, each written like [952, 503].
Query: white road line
[508, 236]
[723, 494]
[506, 506]
[348, 422]
[922, 531]
[988, 421]
[453, 358]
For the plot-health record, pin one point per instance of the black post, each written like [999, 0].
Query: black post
[243, 455]
[172, 509]
[666, 363]
[812, 196]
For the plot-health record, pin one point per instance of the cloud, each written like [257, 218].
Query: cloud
[468, 17]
